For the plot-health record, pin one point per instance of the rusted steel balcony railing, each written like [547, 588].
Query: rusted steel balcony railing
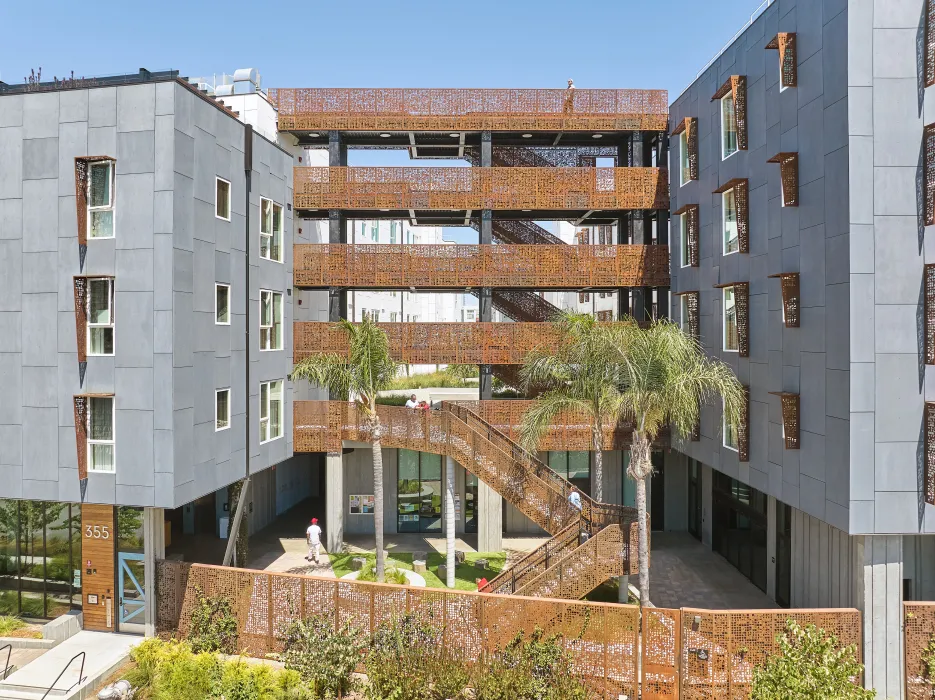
[461, 266]
[435, 343]
[402, 109]
[427, 188]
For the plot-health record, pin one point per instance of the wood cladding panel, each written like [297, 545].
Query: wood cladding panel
[425, 266]
[98, 546]
[452, 109]
[506, 188]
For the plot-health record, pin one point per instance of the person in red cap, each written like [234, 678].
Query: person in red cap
[313, 537]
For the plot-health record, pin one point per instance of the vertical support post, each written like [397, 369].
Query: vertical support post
[489, 519]
[771, 547]
[662, 223]
[154, 549]
[337, 150]
[334, 501]
[450, 521]
[486, 238]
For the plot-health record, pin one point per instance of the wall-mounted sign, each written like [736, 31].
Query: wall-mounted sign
[361, 504]
[92, 599]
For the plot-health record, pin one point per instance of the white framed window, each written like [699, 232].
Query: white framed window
[271, 224]
[222, 409]
[685, 168]
[101, 199]
[222, 304]
[270, 410]
[222, 199]
[729, 222]
[728, 126]
[100, 316]
[731, 334]
[729, 430]
[683, 239]
[101, 434]
[392, 232]
[270, 320]
[683, 312]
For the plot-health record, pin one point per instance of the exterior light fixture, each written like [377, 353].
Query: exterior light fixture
[454, 136]
[384, 136]
[527, 136]
[384, 210]
[314, 136]
[527, 209]
[597, 136]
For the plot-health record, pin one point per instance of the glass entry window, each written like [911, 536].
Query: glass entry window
[470, 502]
[419, 492]
[130, 575]
[739, 532]
[694, 498]
[574, 466]
[783, 554]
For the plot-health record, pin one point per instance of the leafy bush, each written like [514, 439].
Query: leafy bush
[533, 669]
[8, 624]
[323, 657]
[433, 380]
[213, 625]
[810, 665]
[368, 572]
[392, 400]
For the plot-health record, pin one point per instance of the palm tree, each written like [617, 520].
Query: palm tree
[579, 375]
[366, 370]
[664, 377]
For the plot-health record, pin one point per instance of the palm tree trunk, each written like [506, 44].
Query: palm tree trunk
[640, 469]
[378, 497]
[450, 521]
[597, 443]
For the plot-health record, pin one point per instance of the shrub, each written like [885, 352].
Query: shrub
[368, 572]
[324, 657]
[810, 665]
[533, 669]
[213, 624]
[8, 624]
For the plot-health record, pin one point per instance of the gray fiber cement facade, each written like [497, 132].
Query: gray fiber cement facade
[168, 251]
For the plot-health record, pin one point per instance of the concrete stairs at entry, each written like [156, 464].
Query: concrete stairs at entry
[104, 653]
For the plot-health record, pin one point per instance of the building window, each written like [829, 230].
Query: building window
[731, 439]
[684, 158]
[101, 316]
[683, 240]
[270, 230]
[683, 313]
[222, 302]
[729, 216]
[419, 492]
[101, 434]
[374, 232]
[573, 465]
[222, 199]
[728, 126]
[584, 297]
[393, 316]
[101, 199]
[739, 526]
[270, 320]
[270, 410]
[731, 334]
[222, 409]
[392, 232]
[605, 316]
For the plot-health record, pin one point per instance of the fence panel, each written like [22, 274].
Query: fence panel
[919, 630]
[661, 641]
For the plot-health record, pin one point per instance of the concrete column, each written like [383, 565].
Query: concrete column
[771, 547]
[485, 310]
[878, 560]
[489, 519]
[334, 502]
[623, 592]
[154, 549]
[337, 150]
[707, 516]
[337, 304]
[486, 149]
[450, 521]
[337, 226]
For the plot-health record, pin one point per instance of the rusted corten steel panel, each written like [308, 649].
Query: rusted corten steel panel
[918, 628]
[790, 297]
[743, 428]
[692, 232]
[929, 43]
[788, 63]
[737, 86]
[740, 186]
[460, 266]
[450, 109]
[790, 418]
[789, 173]
[928, 168]
[427, 188]
[930, 453]
[930, 314]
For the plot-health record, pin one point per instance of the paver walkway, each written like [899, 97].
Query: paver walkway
[686, 574]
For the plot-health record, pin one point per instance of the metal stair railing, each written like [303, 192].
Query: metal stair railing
[81, 676]
[9, 652]
[536, 562]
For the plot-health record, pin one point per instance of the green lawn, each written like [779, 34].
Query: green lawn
[466, 574]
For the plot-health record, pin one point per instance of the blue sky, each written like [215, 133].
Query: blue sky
[416, 43]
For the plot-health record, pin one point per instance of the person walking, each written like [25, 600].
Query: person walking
[412, 403]
[313, 537]
[574, 499]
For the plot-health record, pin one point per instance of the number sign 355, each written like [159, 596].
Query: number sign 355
[97, 532]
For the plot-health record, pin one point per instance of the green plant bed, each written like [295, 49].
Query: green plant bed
[429, 381]
[466, 574]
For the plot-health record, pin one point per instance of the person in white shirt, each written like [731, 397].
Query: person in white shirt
[574, 498]
[412, 403]
[313, 537]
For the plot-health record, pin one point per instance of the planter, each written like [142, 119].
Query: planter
[412, 577]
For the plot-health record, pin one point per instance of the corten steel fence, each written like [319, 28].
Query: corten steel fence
[618, 649]
[602, 639]
[419, 109]
[504, 188]
[919, 643]
[319, 265]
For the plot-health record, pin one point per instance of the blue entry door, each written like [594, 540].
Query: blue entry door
[132, 592]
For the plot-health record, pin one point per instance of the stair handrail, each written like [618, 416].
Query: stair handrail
[541, 555]
[81, 677]
[9, 651]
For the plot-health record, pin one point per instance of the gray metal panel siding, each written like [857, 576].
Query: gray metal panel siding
[811, 239]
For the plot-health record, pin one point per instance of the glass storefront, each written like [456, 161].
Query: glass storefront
[739, 532]
[130, 574]
[470, 502]
[419, 492]
[783, 554]
[574, 466]
[40, 558]
[694, 498]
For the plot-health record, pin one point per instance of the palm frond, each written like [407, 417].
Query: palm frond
[539, 417]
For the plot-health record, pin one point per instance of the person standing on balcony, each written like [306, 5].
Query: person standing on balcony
[574, 499]
[313, 537]
[412, 403]
[570, 96]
